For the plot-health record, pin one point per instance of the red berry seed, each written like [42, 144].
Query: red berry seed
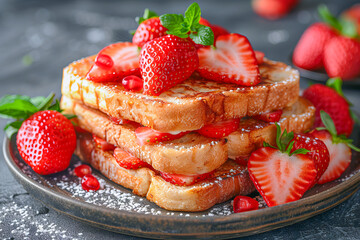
[82, 170]
[132, 83]
[244, 203]
[89, 182]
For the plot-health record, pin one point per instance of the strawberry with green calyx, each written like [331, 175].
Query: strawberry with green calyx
[46, 139]
[280, 173]
[339, 148]
[149, 28]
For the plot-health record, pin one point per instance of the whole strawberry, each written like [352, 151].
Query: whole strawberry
[273, 9]
[46, 139]
[149, 29]
[166, 62]
[308, 53]
[329, 100]
[342, 57]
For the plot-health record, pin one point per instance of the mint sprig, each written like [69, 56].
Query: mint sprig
[330, 127]
[188, 25]
[285, 142]
[344, 26]
[20, 107]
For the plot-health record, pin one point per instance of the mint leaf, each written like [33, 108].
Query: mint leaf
[204, 36]
[328, 18]
[192, 14]
[17, 109]
[328, 122]
[147, 15]
[172, 21]
[11, 98]
[12, 128]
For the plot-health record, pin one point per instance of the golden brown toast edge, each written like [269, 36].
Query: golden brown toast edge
[189, 105]
[229, 180]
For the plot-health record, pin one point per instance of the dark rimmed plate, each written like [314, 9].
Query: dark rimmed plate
[114, 208]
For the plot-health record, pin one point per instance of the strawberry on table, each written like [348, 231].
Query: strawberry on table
[46, 139]
[115, 62]
[146, 135]
[128, 161]
[232, 60]
[220, 129]
[339, 149]
[331, 100]
[149, 28]
[280, 174]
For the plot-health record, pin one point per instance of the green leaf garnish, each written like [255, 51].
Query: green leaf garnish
[147, 15]
[11, 128]
[188, 25]
[17, 109]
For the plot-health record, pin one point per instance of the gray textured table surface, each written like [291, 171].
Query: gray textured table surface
[39, 38]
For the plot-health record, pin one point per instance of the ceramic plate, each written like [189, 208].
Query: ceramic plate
[116, 209]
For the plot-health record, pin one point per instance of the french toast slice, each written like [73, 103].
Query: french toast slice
[192, 153]
[189, 105]
[228, 180]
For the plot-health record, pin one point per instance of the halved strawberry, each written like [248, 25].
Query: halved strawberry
[220, 129]
[184, 180]
[115, 62]
[318, 152]
[273, 116]
[233, 61]
[259, 57]
[128, 161]
[278, 177]
[146, 135]
[101, 143]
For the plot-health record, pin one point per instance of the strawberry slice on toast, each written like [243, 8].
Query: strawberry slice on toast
[232, 61]
[115, 62]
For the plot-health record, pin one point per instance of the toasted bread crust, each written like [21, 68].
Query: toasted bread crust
[189, 105]
[191, 154]
[229, 180]
[252, 133]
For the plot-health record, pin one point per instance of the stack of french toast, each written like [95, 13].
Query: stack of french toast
[214, 163]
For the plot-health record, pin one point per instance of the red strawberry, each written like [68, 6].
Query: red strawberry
[146, 135]
[340, 156]
[115, 62]
[218, 31]
[278, 177]
[259, 57]
[82, 170]
[273, 9]
[327, 99]
[342, 57]
[148, 30]
[46, 141]
[220, 129]
[273, 116]
[184, 180]
[90, 183]
[244, 204]
[308, 53]
[165, 62]
[204, 22]
[233, 61]
[128, 161]
[318, 152]
[282, 174]
[101, 143]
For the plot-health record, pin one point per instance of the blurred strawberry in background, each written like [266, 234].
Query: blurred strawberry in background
[273, 9]
[353, 14]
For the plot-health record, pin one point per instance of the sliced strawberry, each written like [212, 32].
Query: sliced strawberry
[273, 116]
[101, 143]
[115, 62]
[184, 180]
[119, 120]
[278, 177]
[128, 161]
[146, 135]
[259, 57]
[244, 204]
[220, 129]
[242, 160]
[318, 152]
[340, 157]
[233, 61]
